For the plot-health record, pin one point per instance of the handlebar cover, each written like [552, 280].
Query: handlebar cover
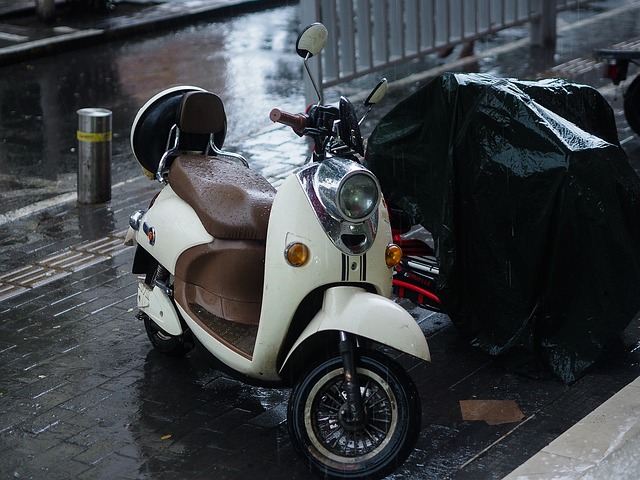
[296, 121]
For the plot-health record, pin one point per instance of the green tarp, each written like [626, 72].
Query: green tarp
[534, 208]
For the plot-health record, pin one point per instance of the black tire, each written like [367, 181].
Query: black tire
[632, 105]
[331, 447]
[165, 343]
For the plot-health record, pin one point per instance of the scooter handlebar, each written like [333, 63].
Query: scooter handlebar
[296, 121]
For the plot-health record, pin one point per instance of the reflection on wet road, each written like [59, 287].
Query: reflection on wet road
[248, 60]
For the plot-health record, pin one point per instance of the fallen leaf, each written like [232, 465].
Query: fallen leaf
[494, 412]
[165, 437]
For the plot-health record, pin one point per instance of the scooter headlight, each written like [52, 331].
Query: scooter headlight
[358, 196]
[347, 190]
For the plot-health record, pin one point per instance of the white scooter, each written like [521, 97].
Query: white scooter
[286, 288]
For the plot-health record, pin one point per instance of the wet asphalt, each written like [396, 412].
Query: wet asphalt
[83, 395]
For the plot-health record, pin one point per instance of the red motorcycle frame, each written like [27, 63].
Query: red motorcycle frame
[416, 276]
[616, 68]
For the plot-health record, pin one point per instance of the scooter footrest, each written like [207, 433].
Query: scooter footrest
[240, 337]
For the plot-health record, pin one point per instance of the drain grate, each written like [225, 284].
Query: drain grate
[60, 264]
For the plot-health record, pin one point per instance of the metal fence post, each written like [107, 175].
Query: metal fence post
[543, 28]
[94, 155]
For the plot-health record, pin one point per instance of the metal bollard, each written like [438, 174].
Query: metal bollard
[94, 155]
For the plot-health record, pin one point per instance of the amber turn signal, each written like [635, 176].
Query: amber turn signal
[297, 254]
[392, 255]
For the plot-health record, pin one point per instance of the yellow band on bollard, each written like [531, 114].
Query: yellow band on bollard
[93, 137]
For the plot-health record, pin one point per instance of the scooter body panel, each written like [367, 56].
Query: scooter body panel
[371, 316]
[169, 228]
[285, 287]
[158, 306]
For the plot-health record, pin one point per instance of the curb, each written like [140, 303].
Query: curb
[162, 16]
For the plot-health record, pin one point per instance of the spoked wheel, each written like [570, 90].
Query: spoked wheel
[336, 447]
[163, 342]
[632, 105]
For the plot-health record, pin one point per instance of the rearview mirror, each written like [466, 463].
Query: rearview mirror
[311, 40]
[377, 94]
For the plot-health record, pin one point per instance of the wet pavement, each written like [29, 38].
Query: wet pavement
[39, 97]
[83, 395]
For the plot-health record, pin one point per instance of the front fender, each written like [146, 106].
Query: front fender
[353, 310]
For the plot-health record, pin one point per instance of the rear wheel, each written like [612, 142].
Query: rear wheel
[334, 446]
[632, 105]
[165, 343]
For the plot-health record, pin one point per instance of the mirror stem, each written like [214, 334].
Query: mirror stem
[365, 115]
[313, 82]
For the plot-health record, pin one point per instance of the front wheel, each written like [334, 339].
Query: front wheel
[335, 447]
[632, 105]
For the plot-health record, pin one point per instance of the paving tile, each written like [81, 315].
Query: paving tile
[45, 420]
[10, 421]
[8, 291]
[551, 466]
[99, 451]
[111, 467]
[602, 431]
[88, 400]
[271, 418]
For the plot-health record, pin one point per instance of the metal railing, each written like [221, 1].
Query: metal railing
[371, 35]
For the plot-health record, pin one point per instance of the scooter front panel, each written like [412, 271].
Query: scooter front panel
[294, 220]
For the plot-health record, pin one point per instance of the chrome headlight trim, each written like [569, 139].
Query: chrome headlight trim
[333, 178]
[321, 189]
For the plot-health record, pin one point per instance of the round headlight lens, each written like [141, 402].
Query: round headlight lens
[358, 196]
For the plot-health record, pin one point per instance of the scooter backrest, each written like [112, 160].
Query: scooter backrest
[201, 113]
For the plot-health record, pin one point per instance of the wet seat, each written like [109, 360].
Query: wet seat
[231, 201]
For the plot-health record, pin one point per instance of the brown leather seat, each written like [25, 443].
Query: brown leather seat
[231, 201]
